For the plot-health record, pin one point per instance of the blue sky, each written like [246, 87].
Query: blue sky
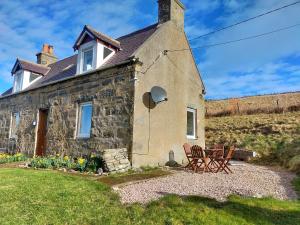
[268, 64]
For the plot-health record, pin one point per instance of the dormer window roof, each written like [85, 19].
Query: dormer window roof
[89, 34]
[26, 73]
[29, 66]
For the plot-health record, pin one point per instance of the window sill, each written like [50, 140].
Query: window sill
[192, 138]
[82, 138]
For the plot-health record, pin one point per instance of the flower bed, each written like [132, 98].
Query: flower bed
[6, 158]
[89, 164]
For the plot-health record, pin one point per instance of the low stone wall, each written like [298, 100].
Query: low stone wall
[116, 160]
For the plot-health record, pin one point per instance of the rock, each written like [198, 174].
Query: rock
[100, 171]
[172, 164]
[116, 160]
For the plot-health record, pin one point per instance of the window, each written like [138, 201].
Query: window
[87, 60]
[191, 123]
[33, 76]
[84, 120]
[106, 52]
[15, 121]
[18, 84]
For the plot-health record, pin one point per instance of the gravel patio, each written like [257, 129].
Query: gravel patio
[247, 180]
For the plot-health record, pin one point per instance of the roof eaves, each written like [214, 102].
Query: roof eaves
[23, 65]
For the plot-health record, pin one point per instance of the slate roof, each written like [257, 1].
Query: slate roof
[32, 67]
[66, 68]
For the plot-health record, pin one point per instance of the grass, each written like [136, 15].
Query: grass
[51, 197]
[296, 184]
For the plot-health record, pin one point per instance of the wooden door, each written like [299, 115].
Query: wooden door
[41, 141]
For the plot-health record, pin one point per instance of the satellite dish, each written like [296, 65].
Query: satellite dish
[158, 94]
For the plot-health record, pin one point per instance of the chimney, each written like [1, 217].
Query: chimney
[47, 56]
[171, 10]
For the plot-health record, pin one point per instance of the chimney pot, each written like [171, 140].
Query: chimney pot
[47, 56]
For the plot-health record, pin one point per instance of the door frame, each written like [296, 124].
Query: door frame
[37, 126]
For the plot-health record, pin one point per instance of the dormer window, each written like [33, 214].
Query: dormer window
[87, 59]
[26, 73]
[94, 49]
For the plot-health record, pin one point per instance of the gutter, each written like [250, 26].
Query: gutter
[131, 59]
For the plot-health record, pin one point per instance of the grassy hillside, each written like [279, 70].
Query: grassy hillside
[276, 137]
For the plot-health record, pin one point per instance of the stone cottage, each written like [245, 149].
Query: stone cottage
[100, 98]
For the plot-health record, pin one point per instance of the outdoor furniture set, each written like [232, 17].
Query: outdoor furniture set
[208, 160]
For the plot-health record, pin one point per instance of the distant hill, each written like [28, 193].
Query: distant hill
[271, 103]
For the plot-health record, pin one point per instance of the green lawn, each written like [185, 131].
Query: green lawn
[49, 197]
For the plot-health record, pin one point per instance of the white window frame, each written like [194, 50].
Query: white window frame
[83, 59]
[80, 58]
[11, 135]
[18, 74]
[194, 111]
[78, 125]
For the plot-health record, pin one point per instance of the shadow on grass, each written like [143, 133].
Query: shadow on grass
[249, 210]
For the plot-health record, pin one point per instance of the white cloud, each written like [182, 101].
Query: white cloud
[25, 26]
[223, 63]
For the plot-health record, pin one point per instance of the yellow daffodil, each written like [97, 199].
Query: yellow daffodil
[81, 161]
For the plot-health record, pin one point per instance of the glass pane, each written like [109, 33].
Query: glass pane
[106, 52]
[18, 82]
[88, 60]
[17, 116]
[33, 76]
[190, 123]
[86, 120]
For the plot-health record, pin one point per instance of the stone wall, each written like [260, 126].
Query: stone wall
[116, 160]
[254, 104]
[111, 92]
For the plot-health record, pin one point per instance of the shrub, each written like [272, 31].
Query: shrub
[44, 163]
[6, 158]
[90, 164]
[94, 163]
[294, 163]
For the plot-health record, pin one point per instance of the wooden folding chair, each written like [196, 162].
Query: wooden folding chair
[220, 147]
[188, 153]
[215, 156]
[223, 162]
[199, 159]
